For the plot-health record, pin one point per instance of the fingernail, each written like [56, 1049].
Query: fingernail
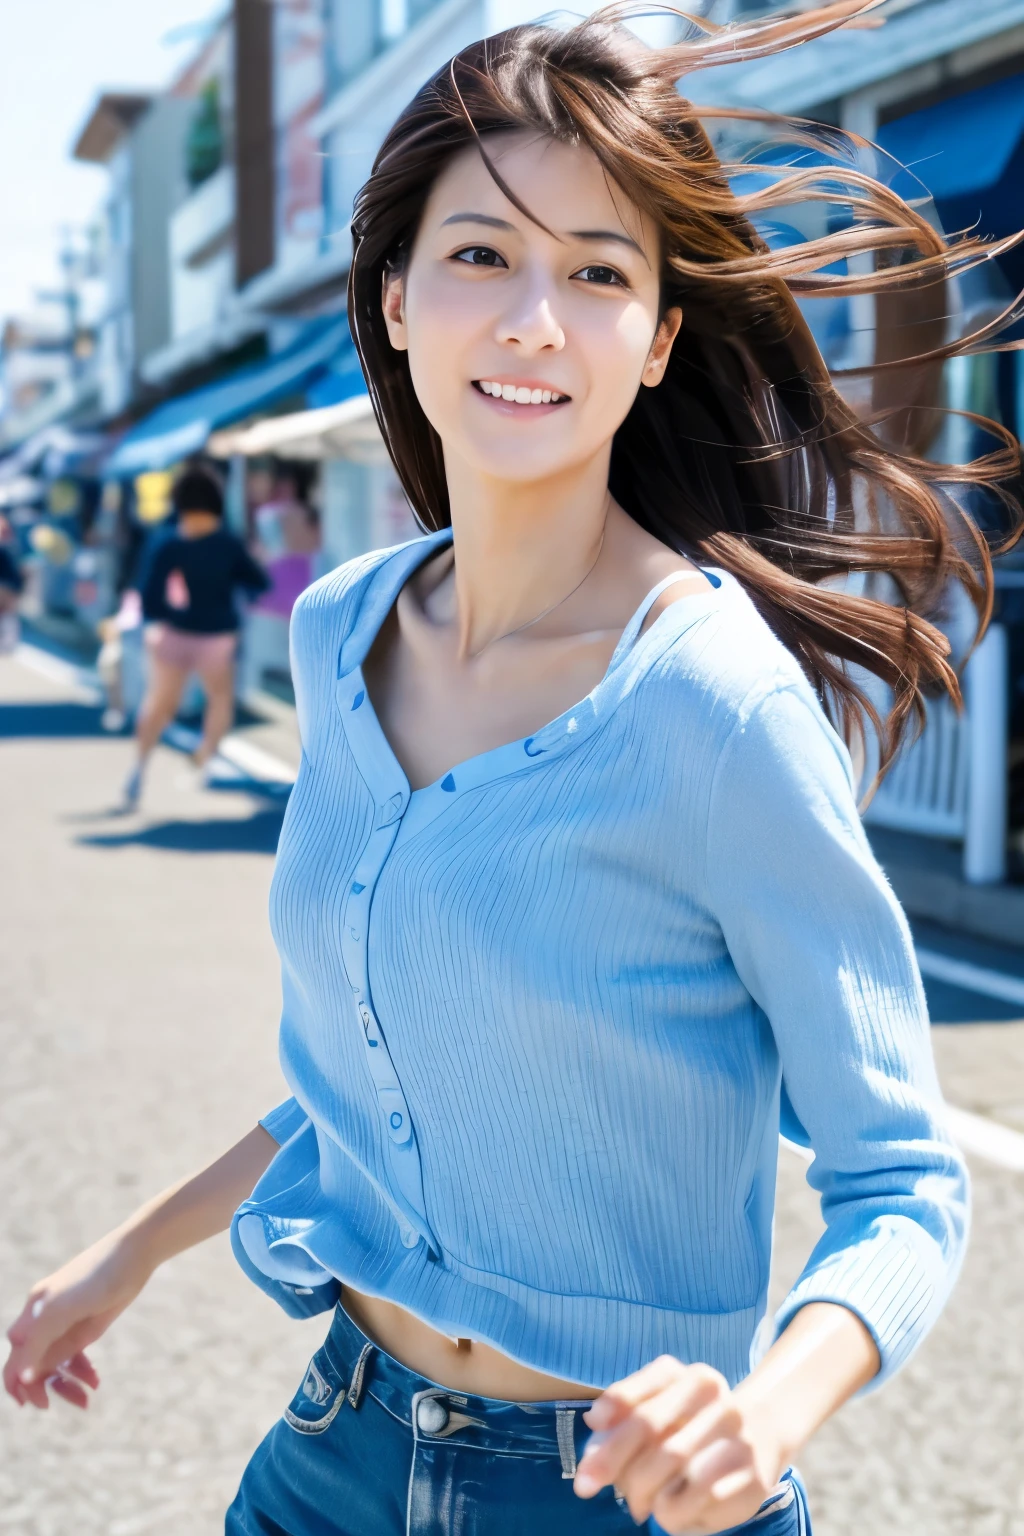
[37, 1307]
[28, 1375]
[586, 1485]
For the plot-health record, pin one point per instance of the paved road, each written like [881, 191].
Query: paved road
[138, 998]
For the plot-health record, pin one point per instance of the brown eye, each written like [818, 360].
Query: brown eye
[603, 275]
[480, 256]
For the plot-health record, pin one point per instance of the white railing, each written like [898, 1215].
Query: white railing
[952, 782]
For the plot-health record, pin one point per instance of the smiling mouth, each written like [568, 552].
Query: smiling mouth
[521, 394]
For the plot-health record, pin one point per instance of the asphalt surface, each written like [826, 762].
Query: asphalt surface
[138, 1002]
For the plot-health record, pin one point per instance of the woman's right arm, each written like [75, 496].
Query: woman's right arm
[74, 1306]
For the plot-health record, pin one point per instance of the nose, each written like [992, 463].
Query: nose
[530, 321]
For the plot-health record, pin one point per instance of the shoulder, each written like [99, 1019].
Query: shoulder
[740, 687]
[334, 620]
[328, 612]
[161, 549]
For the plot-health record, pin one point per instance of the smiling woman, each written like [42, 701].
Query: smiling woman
[574, 905]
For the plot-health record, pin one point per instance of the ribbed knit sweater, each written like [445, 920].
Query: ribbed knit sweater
[541, 1018]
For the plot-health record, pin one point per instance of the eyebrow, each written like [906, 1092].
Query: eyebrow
[478, 218]
[607, 234]
[577, 234]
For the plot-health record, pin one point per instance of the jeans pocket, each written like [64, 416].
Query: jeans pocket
[319, 1398]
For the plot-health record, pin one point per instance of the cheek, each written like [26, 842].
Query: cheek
[616, 342]
[441, 324]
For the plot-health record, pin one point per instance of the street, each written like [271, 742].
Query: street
[138, 1004]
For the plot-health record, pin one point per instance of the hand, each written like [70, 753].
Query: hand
[680, 1445]
[64, 1313]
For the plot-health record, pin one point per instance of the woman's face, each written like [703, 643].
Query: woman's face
[526, 348]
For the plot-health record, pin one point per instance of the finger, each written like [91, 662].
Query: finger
[622, 1396]
[647, 1424]
[657, 1468]
[720, 1489]
[12, 1386]
[662, 1466]
[718, 1420]
[69, 1390]
[33, 1333]
[18, 1330]
[81, 1366]
[67, 1347]
[34, 1392]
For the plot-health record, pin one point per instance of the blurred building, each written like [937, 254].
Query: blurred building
[139, 139]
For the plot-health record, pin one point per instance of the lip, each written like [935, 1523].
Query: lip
[521, 407]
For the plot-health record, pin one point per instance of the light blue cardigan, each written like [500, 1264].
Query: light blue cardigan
[540, 1017]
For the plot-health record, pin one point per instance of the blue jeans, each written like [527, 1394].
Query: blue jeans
[368, 1448]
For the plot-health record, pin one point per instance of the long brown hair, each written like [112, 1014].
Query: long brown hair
[746, 455]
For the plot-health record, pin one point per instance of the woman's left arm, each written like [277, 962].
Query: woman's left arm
[821, 945]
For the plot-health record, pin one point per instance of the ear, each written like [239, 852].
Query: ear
[661, 348]
[393, 305]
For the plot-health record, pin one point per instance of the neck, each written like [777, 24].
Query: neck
[521, 549]
[194, 525]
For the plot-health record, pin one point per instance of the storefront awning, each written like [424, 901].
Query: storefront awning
[346, 431]
[181, 427]
[56, 451]
[961, 145]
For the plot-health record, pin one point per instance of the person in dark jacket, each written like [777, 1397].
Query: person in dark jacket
[189, 590]
[12, 585]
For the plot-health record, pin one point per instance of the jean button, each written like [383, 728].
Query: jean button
[431, 1416]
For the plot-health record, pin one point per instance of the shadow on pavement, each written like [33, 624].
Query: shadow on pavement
[257, 833]
[49, 720]
[955, 1005]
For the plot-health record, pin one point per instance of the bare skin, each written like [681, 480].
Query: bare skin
[485, 644]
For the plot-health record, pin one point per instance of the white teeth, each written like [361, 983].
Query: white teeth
[521, 394]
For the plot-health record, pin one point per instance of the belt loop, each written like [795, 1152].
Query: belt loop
[565, 1419]
[355, 1390]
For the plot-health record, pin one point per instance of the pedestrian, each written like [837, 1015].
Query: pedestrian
[287, 539]
[573, 900]
[110, 660]
[189, 590]
[12, 585]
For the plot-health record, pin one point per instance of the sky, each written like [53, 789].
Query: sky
[56, 56]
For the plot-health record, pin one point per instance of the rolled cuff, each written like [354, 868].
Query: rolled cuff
[283, 1122]
[895, 1279]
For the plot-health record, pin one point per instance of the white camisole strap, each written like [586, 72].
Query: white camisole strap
[636, 623]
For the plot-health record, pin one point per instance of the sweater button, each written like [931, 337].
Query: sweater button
[390, 811]
[431, 1416]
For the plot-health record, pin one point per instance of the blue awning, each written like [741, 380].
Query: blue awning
[181, 427]
[961, 145]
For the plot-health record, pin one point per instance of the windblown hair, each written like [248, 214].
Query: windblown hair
[746, 456]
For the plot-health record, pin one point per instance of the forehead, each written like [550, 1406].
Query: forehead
[563, 185]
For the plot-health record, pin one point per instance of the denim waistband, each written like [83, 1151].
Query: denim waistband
[433, 1412]
[552, 1430]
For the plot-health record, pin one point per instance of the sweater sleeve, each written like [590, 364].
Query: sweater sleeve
[152, 581]
[248, 573]
[283, 1121]
[821, 944]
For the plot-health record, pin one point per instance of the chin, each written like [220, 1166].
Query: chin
[514, 463]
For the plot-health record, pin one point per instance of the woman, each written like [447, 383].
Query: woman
[573, 900]
[188, 600]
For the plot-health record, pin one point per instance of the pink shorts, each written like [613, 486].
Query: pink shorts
[192, 653]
